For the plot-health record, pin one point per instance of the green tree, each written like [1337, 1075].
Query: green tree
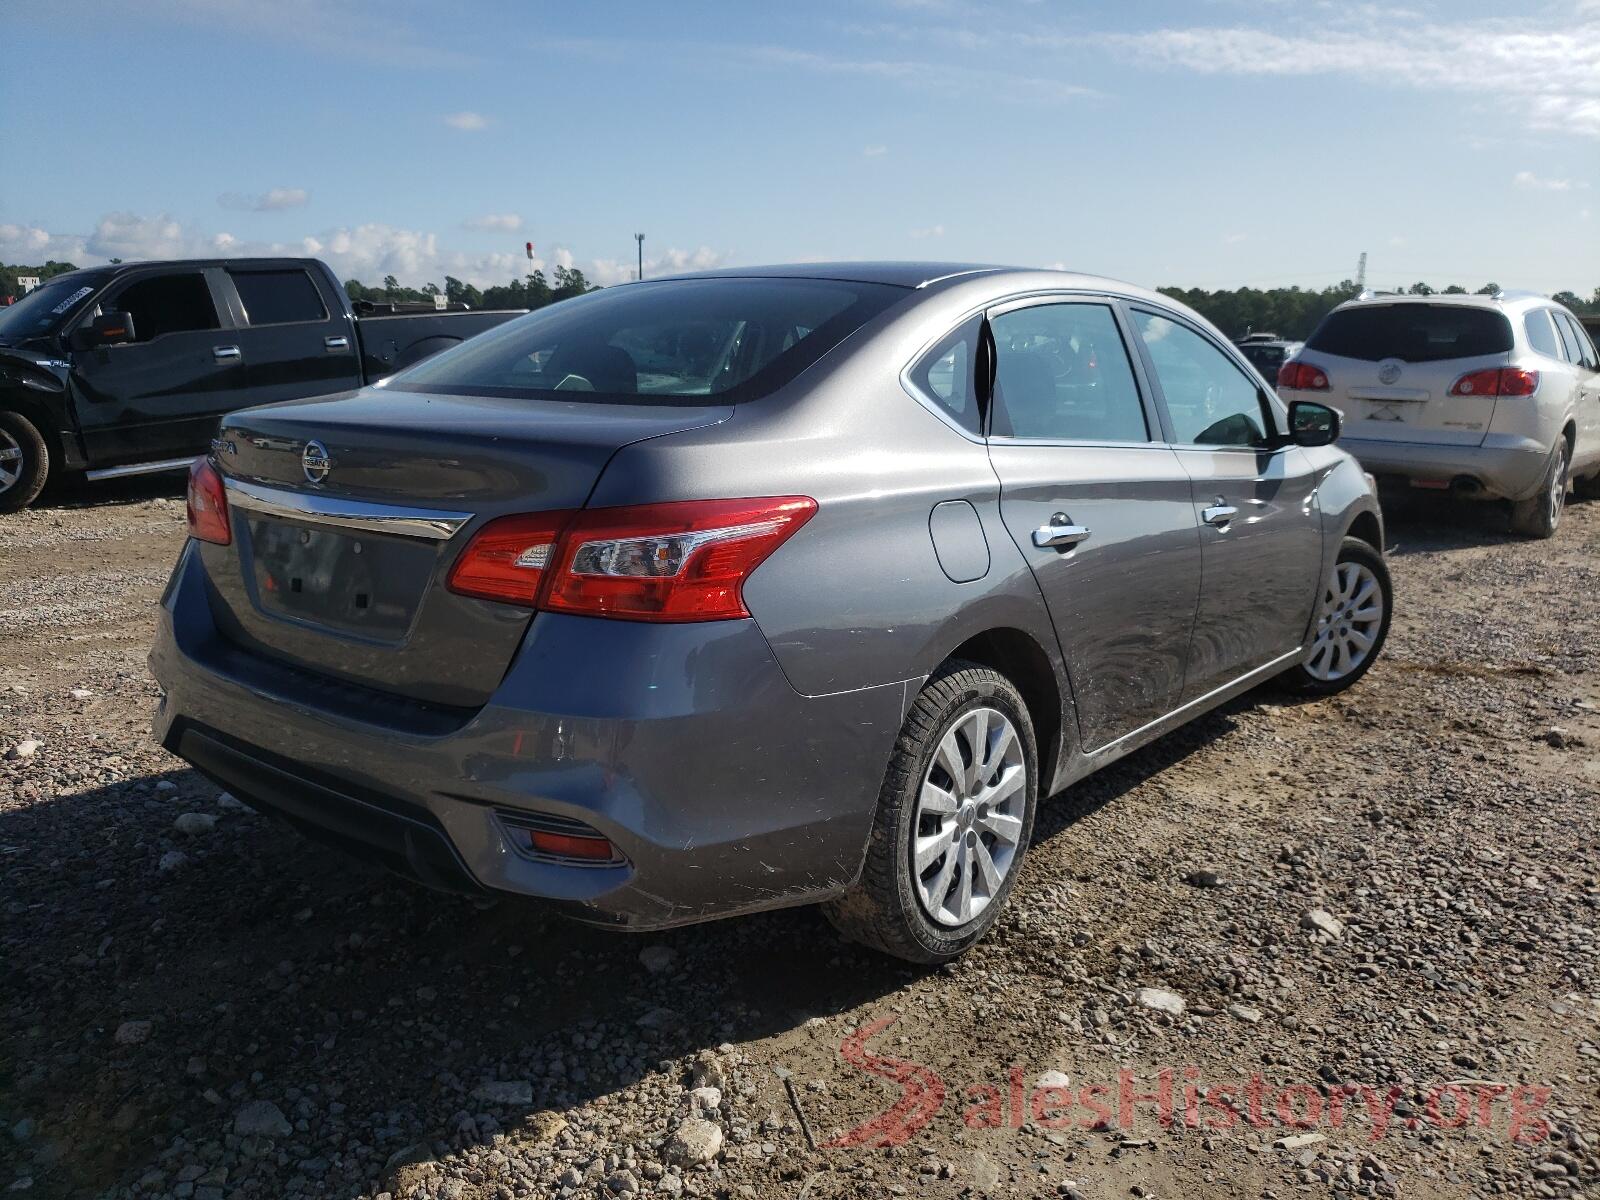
[391, 286]
[1488, 289]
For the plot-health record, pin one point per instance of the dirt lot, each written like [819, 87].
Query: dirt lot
[230, 1011]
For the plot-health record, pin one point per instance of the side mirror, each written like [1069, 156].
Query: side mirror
[108, 329]
[1312, 424]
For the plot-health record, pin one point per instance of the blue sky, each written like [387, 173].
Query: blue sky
[1194, 142]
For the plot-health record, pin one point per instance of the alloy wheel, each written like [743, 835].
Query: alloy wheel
[968, 820]
[1348, 623]
[10, 461]
[1557, 498]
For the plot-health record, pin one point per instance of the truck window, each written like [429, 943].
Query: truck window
[166, 304]
[278, 297]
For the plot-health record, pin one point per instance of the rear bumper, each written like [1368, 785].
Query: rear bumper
[1504, 466]
[724, 790]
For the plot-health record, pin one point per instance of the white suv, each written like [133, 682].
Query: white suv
[1482, 396]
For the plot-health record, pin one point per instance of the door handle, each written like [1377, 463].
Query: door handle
[1219, 514]
[1060, 532]
[336, 343]
[226, 353]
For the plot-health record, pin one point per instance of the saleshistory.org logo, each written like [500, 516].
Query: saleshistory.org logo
[1183, 1096]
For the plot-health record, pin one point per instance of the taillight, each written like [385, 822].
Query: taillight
[684, 561]
[1302, 377]
[208, 504]
[507, 559]
[1496, 381]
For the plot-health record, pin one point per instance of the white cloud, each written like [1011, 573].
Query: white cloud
[493, 223]
[874, 151]
[670, 262]
[1528, 181]
[1233, 239]
[1550, 76]
[468, 122]
[271, 200]
[932, 231]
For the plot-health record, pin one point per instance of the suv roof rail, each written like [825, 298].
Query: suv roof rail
[1519, 294]
[1373, 293]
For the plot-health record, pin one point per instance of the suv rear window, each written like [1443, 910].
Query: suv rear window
[674, 342]
[1414, 333]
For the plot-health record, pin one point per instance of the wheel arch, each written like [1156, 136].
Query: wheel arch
[1018, 656]
[1368, 528]
[41, 418]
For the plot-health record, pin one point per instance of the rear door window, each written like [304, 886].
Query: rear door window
[1413, 333]
[1210, 400]
[278, 297]
[1580, 349]
[162, 304]
[1062, 374]
[1569, 340]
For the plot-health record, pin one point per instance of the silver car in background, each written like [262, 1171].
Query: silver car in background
[715, 594]
[1484, 397]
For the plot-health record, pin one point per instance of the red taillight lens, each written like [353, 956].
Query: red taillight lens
[208, 504]
[1496, 381]
[1302, 377]
[508, 557]
[684, 561]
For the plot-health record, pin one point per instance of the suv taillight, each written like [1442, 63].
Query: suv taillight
[1496, 381]
[1302, 377]
[682, 561]
[208, 504]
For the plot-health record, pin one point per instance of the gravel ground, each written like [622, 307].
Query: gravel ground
[1362, 899]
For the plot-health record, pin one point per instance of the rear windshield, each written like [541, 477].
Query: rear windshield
[1414, 333]
[673, 342]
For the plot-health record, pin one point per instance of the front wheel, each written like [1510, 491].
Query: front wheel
[1352, 622]
[24, 462]
[1540, 514]
[954, 818]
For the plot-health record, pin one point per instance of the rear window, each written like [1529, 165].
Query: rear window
[1414, 333]
[672, 342]
[278, 297]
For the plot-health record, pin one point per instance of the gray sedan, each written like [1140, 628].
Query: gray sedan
[720, 593]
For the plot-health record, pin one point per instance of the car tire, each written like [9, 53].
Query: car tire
[24, 462]
[1329, 664]
[974, 812]
[1540, 514]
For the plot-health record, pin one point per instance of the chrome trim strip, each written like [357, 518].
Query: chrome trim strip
[363, 515]
[149, 468]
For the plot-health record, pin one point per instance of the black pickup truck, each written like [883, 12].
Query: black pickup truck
[125, 369]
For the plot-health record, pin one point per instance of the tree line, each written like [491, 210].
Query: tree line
[1289, 312]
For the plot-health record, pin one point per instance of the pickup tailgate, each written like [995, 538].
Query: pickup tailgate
[346, 577]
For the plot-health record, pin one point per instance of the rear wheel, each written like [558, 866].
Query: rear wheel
[1540, 514]
[953, 821]
[24, 462]
[1352, 623]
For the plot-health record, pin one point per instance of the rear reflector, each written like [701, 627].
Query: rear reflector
[1496, 381]
[208, 504]
[1302, 377]
[565, 845]
[681, 561]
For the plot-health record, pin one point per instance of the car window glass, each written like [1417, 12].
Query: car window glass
[278, 297]
[1582, 349]
[1211, 401]
[947, 375]
[166, 304]
[1411, 332]
[1541, 336]
[1569, 340]
[1062, 372]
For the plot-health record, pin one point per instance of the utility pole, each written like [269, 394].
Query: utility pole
[639, 238]
[1361, 273]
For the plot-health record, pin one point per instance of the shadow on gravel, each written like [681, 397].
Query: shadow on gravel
[269, 967]
[1424, 523]
[77, 492]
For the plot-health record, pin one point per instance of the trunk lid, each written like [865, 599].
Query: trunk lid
[346, 577]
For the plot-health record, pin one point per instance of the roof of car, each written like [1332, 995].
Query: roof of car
[899, 274]
[1500, 299]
